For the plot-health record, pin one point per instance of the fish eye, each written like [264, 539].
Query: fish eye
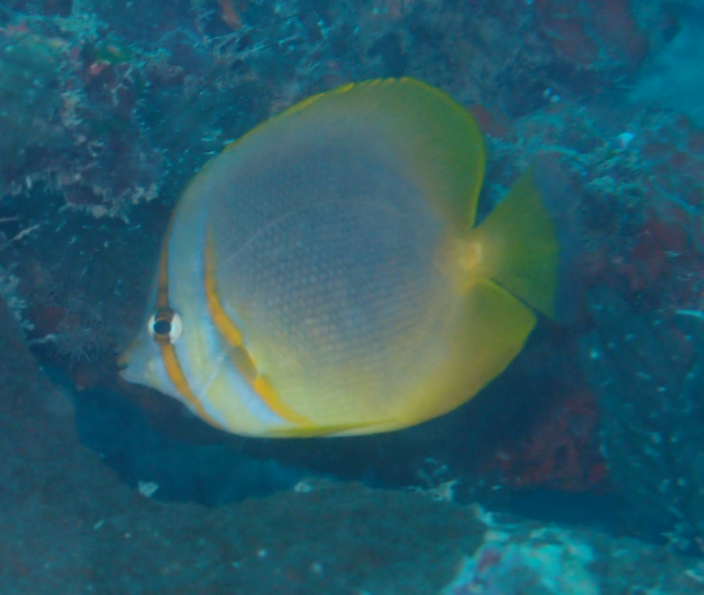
[165, 326]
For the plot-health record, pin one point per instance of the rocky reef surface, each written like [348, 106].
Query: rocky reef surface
[70, 526]
[106, 111]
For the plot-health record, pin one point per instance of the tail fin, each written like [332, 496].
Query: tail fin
[520, 251]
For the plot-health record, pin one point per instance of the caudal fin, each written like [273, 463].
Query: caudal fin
[519, 243]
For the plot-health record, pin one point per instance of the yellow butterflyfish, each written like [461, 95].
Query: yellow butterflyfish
[324, 274]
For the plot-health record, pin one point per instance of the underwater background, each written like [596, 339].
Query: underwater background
[579, 470]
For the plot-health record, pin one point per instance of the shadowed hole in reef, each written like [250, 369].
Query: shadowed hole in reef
[166, 468]
[152, 441]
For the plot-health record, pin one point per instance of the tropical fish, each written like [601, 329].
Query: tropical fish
[324, 275]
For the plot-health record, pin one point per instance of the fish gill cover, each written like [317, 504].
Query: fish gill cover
[107, 109]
